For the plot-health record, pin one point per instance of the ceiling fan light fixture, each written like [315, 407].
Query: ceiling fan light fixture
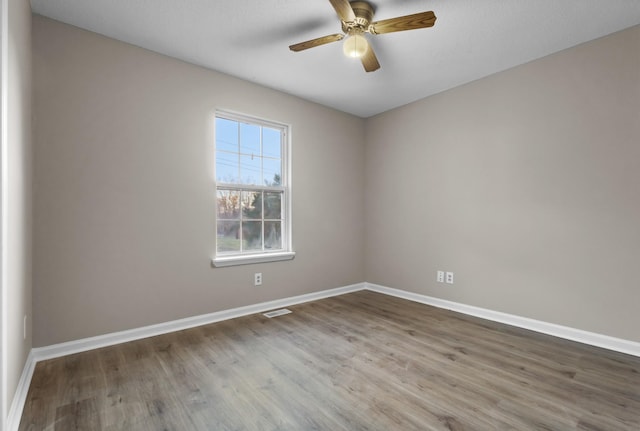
[355, 46]
[356, 18]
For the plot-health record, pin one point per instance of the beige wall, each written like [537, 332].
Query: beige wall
[522, 183]
[525, 184]
[18, 189]
[124, 198]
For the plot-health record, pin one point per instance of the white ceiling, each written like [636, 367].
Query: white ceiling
[250, 38]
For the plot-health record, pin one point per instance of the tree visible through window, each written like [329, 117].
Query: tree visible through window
[251, 186]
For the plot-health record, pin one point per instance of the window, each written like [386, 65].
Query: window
[252, 191]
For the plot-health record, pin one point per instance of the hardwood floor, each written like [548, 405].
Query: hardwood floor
[361, 361]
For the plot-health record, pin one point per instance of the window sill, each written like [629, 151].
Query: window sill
[221, 262]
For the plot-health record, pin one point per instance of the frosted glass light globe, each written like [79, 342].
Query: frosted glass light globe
[355, 46]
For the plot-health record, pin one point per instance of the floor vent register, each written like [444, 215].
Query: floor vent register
[276, 313]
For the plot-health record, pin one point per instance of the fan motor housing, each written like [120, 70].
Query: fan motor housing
[364, 14]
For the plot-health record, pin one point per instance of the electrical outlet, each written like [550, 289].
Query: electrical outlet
[449, 277]
[257, 279]
[440, 277]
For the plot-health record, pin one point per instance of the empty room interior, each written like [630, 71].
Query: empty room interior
[214, 219]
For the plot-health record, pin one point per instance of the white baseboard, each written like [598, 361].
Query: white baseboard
[585, 337]
[82, 345]
[20, 397]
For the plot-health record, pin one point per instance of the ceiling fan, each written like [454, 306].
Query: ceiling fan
[357, 19]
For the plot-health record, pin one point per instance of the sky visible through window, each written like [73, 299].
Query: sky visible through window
[247, 153]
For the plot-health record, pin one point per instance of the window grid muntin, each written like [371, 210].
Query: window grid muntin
[240, 120]
[242, 218]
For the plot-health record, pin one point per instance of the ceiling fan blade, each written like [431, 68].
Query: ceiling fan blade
[401, 23]
[344, 10]
[316, 42]
[370, 61]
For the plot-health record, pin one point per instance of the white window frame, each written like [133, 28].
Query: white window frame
[224, 259]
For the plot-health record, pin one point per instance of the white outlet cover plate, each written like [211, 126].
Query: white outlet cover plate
[449, 277]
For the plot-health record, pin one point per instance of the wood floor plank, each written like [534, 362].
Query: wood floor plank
[361, 361]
